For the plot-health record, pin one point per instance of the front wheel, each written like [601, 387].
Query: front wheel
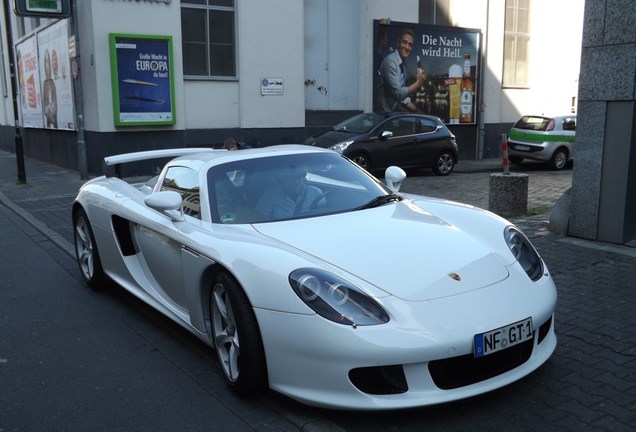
[86, 252]
[237, 339]
[362, 160]
[444, 163]
[559, 159]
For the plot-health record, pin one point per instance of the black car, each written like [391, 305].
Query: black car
[376, 141]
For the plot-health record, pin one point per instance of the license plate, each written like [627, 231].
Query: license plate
[522, 148]
[502, 338]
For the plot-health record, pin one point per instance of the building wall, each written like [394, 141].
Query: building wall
[270, 45]
[275, 44]
[603, 194]
[96, 20]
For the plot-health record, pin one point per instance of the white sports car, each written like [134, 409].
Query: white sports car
[309, 276]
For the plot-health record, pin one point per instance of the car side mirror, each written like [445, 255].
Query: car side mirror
[386, 134]
[168, 203]
[394, 176]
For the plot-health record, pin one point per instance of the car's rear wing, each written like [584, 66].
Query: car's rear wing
[113, 163]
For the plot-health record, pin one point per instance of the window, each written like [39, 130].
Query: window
[425, 125]
[400, 126]
[208, 32]
[516, 43]
[186, 182]
[569, 123]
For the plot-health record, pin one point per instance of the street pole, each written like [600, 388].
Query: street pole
[79, 97]
[19, 149]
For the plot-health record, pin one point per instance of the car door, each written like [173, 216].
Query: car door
[429, 141]
[398, 149]
[159, 239]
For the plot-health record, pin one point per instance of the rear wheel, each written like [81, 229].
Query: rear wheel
[444, 163]
[237, 338]
[86, 252]
[559, 159]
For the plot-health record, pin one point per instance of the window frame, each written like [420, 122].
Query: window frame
[206, 8]
[512, 67]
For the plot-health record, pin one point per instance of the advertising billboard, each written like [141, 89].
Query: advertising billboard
[30, 101]
[142, 78]
[426, 69]
[57, 84]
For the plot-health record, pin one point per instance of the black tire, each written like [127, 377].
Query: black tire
[444, 163]
[86, 252]
[516, 160]
[362, 160]
[559, 159]
[232, 320]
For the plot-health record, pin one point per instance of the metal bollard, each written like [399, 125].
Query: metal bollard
[504, 149]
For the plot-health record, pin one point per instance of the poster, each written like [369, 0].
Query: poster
[446, 60]
[30, 102]
[142, 78]
[56, 84]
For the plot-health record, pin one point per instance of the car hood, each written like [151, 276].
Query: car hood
[330, 138]
[399, 248]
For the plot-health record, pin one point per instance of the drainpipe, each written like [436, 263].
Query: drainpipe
[482, 108]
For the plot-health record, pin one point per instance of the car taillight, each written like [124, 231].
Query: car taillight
[550, 125]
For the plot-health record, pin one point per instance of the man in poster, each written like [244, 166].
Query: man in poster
[393, 78]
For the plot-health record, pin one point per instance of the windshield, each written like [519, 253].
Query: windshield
[288, 187]
[362, 123]
[534, 123]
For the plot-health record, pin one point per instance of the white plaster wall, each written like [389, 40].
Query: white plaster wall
[97, 20]
[211, 104]
[271, 45]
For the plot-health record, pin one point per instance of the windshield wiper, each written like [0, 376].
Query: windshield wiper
[381, 200]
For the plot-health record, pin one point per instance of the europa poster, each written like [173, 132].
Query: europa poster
[142, 77]
[426, 69]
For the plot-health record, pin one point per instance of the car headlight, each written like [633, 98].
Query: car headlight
[524, 253]
[341, 146]
[335, 299]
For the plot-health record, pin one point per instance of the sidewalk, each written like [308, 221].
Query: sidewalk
[590, 381]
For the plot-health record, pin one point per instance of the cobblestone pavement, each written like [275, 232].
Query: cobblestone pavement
[544, 187]
[589, 384]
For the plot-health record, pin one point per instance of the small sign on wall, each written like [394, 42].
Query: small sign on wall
[271, 86]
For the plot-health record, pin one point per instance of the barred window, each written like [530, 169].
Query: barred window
[208, 33]
[516, 43]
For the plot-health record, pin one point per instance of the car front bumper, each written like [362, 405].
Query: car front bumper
[311, 359]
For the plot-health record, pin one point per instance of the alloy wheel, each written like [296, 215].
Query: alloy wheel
[84, 248]
[225, 332]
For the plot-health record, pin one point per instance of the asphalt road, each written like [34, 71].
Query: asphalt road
[75, 360]
[72, 359]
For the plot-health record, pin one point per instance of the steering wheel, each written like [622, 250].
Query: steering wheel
[314, 203]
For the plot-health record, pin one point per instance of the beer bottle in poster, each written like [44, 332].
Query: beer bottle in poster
[454, 89]
[420, 68]
[466, 95]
